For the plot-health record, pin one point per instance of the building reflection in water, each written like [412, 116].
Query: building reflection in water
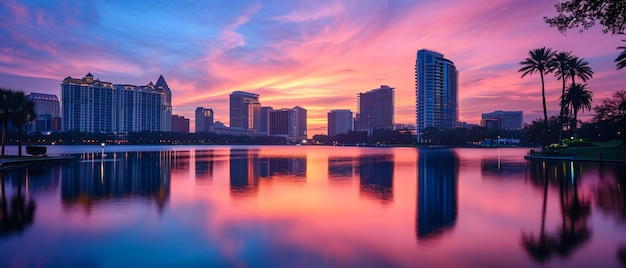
[376, 176]
[244, 172]
[117, 176]
[498, 168]
[341, 169]
[204, 164]
[18, 211]
[437, 195]
[573, 232]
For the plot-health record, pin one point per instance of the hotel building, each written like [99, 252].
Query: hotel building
[91, 105]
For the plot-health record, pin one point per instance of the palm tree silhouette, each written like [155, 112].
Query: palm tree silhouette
[22, 112]
[577, 98]
[562, 65]
[6, 99]
[579, 68]
[19, 215]
[540, 61]
[621, 59]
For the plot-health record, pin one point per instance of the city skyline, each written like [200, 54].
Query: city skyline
[315, 56]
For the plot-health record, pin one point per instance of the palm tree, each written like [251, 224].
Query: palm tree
[577, 98]
[621, 59]
[579, 68]
[6, 100]
[22, 112]
[562, 64]
[540, 61]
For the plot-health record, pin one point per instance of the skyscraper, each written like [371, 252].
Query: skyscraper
[204, 119]
[245, 110]
[436, 82]
[375, 109]
[91, 105]
[339, 122]
[47, 110]
[180, 124]
[289, 123]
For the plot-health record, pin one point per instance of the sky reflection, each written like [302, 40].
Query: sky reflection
[316, 206]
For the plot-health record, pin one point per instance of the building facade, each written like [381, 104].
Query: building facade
[289, 123]
[91, 105]
[204, 119]
[180, 124]
[375, 109]
[340, 122]
[264, 128]
[245, 110]
[436, 87]
[507, 120]
[47, 108]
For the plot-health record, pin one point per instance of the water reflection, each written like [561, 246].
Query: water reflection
[610, 194]
[376, 176]
[117, 176]
[244, 172]
[18, 213]
[575, 208]
[341, 169]
[204, 164]
[499, 168]
[437, 193]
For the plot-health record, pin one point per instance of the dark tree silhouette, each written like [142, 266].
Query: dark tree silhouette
[579, 68]
[562, 65]
[540, 61]
[621, 59]
[577, 98]
[610, 14]
[612, 112]
[22, 111]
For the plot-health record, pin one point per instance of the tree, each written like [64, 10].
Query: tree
[612, 111]
[21, 112]
[562, 62]
[610, 14]
[7, 97]
[579, 68]
[621, 59]
[540, 61]
[577, 98]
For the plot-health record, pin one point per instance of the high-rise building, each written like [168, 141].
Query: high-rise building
[265, 120]
[375, 109]
[180, 124]
[507, 120]
[289, 123]
[436, 82]
[91, 105]
[47, 109]
[339, 122]
[204, 119]
[245, 110]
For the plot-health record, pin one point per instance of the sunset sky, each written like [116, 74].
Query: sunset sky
[314, 54]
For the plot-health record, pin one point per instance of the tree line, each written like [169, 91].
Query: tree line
[15, 107]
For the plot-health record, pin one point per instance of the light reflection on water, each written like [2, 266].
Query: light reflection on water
[311, 206]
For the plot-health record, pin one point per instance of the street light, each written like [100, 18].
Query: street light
[102, 145]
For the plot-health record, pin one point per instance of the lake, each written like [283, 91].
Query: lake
[311, 206]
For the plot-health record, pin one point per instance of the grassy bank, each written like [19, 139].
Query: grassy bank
[611, 150]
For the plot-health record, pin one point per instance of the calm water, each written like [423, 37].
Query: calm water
[312, 206]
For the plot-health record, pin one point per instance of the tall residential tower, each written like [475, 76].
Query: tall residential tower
[436, 86]
[375, 109]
